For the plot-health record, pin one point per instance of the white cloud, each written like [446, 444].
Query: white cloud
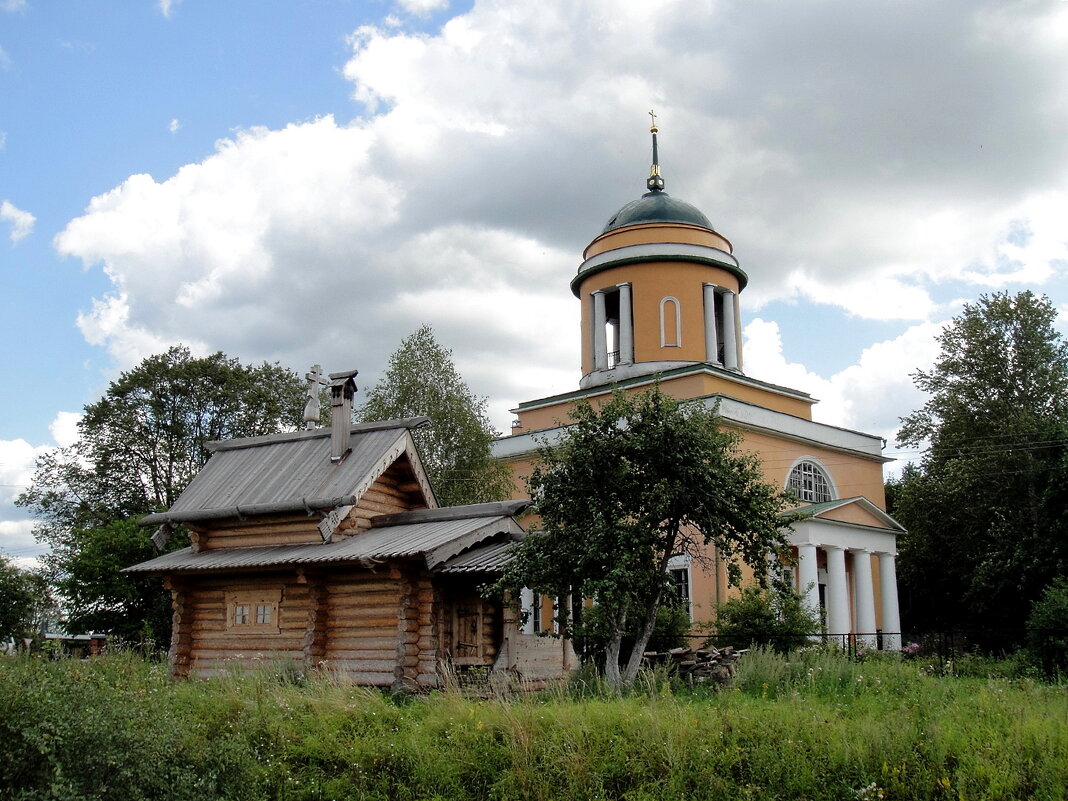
[78, 46]
[16, 537]
[64, 428]
[21, 221]
[166, 7]
[17, 460]
[12, 6]
[422, 8]
[871, 395]
[5, 59]
[3, 139]
[866, 165]
[174, 125]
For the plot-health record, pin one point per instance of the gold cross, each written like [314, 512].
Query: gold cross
[652, 115]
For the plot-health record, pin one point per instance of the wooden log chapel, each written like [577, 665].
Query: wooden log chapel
[325, 549]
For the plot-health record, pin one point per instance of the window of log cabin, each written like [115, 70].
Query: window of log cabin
[253, 611]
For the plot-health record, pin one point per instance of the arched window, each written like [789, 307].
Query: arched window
[670, 323]
[810, 483]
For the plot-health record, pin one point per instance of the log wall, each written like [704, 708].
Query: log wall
[379, 628]
[394, 491]
[290, 529]
[213, 648]
[373, 627]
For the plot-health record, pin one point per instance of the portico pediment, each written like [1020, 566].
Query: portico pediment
[858, 511]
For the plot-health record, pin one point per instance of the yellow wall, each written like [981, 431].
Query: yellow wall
[851, 474]
[696, 385]
[650, 283]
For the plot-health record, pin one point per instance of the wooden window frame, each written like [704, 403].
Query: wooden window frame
[245, 608]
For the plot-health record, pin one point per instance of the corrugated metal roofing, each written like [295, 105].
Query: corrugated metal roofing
[436, 541]
[288, 472]
[486, 559]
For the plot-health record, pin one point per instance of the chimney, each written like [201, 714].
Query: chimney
[342, 388]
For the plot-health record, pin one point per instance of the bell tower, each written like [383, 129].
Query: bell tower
[659, 290]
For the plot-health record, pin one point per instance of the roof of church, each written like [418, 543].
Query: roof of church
[811, 510]
[657, 207]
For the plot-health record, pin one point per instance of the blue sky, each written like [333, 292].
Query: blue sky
[310, 181]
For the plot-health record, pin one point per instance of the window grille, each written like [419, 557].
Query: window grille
[809, 483]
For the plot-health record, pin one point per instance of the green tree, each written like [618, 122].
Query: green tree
[138, 447]
[985, 507]
[630, 485]
[1047, 629]
[422, 380]
[25, 601]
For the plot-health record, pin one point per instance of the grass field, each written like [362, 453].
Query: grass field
[812, 726]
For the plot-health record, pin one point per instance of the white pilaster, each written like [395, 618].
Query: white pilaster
[837, 592]
[600, 344]
[864, 592]
[711, 338]
[891, 611]
[626, 326]
[730, 335]
[808, 577]
[526, 606]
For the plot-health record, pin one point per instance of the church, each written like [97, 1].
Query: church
[660, 296]
[326, 549]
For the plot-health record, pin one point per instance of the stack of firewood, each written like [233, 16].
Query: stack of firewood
[703, 666]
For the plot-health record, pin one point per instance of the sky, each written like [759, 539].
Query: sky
[309, 181]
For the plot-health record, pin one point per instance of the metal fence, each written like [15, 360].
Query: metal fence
[1048, 647]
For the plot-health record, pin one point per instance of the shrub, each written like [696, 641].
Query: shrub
[1047, 636]
[777, 618]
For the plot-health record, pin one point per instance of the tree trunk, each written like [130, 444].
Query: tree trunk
[638, 651]
[611, 652]
[634, 663]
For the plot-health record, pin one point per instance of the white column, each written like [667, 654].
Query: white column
[711, 339]
[864, 592]
[808, 577]
[526, 606]
[730, 335]
[626, 326]
[891, 612]
[600, 345]
[837, 592]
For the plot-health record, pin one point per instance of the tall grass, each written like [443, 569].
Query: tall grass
[813, 725]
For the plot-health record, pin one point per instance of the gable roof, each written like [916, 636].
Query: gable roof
[293, 472]
[880, 518]
[436, 535]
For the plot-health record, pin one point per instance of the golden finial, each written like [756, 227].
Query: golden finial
[654, 183]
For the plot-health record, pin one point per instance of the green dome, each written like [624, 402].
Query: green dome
[657, 207]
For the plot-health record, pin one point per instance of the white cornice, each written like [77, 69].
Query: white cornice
[737, 414]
